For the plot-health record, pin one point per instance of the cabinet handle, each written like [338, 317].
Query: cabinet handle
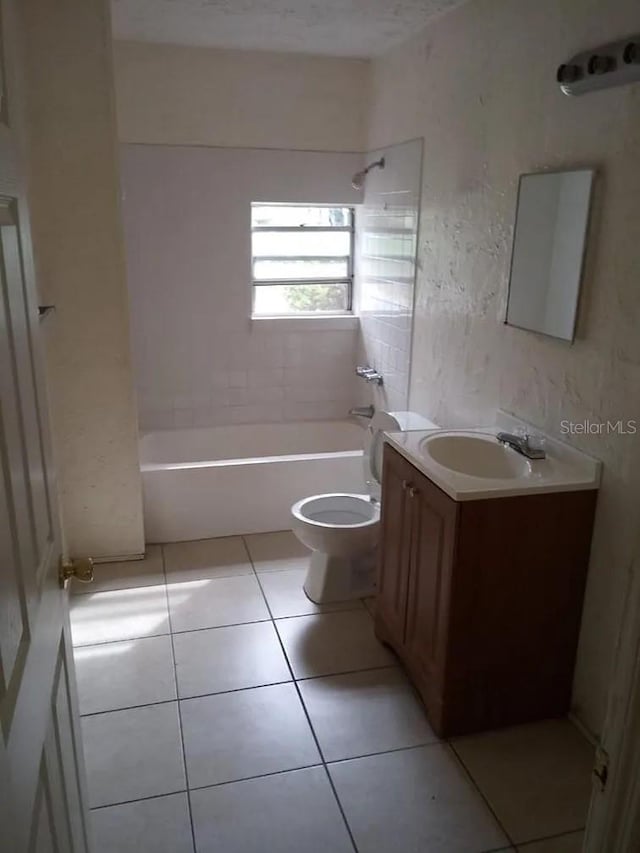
[405, 485]
[413, 492]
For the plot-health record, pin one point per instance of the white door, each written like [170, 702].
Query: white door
[42, 807]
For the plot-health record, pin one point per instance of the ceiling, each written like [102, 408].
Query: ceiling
[355, 28]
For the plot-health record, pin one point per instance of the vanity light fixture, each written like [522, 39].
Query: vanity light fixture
[613, 64]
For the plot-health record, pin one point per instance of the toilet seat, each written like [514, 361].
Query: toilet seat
[337, 510]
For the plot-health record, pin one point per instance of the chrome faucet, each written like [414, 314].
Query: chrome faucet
[521, 444]
[370, 374]
[362, 412]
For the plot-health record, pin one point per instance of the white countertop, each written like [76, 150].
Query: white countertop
[565, 469]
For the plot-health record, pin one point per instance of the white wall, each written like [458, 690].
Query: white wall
[199, 359]
[79, 253]
[256, 99]
[386, 269]
[479, 85]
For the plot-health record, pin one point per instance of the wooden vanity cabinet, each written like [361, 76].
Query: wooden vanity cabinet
[481, 600]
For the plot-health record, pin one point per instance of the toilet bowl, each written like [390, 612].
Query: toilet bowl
[341, 530]
[337, 524]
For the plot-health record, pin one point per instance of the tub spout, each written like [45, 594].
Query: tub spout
[362, 412]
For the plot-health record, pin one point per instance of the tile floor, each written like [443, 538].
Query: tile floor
[223, 712]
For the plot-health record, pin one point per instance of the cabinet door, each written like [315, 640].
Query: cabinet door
[434, 519]
[394, 551]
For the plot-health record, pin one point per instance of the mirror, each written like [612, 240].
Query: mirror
[548, 251]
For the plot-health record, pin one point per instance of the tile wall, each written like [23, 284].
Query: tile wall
[199, 359]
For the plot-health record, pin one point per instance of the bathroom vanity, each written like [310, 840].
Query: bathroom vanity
[482, 575]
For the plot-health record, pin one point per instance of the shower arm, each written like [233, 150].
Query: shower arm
[358, 179]
[376, 164]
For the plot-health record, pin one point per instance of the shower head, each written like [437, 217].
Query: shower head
[357, 181]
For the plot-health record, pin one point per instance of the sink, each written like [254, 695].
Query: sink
[475, 456]
[471, 464]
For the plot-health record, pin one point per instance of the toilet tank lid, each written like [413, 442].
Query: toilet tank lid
[412, 420]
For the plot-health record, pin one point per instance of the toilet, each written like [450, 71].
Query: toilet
[342, 529]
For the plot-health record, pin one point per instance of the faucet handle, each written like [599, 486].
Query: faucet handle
[535, 441]
[369, 374]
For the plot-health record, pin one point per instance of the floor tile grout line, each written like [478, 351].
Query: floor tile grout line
[291, 680]
[309, 723]
[523, 844]
[259, 776]
[480, 791]
[321, 763]
[326, 769]
[175, 677]
[138, 800]
[120, 640]
[170, 633]
[165, 582]
[179, 698]
[347, 672]
[155, 704]
[421, 745]
[330, 610]
[215, 627]
[248, 553]
[213, 538]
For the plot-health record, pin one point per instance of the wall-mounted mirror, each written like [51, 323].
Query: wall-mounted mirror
[548, 250]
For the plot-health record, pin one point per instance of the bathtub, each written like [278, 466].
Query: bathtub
[223, 481]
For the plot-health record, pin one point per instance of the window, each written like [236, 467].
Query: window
[302, 259]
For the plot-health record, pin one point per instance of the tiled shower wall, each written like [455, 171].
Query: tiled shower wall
[199, 360]
[386, 269]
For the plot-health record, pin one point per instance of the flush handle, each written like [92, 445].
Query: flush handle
[80, 568]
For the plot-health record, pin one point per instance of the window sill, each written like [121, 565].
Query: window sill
[325, 323]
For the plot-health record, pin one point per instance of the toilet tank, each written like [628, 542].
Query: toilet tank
[380, 423]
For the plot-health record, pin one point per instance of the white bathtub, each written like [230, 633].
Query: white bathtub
[222, 481]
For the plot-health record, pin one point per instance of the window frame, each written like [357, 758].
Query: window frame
[294, 282]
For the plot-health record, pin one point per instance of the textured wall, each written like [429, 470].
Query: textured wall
[479, 85]
[199, 96]
[81, 269]
[385, 271]
[199, 359]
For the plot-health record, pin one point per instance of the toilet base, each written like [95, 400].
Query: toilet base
[340, 578]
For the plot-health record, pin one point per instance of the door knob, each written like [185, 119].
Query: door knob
[80, 568]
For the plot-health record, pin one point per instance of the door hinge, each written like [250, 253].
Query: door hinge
[80, 568]
[601, 768]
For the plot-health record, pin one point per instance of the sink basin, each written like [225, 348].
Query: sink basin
[471, 464]
[475, 456]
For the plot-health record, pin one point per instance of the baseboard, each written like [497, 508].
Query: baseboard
[586, 732]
